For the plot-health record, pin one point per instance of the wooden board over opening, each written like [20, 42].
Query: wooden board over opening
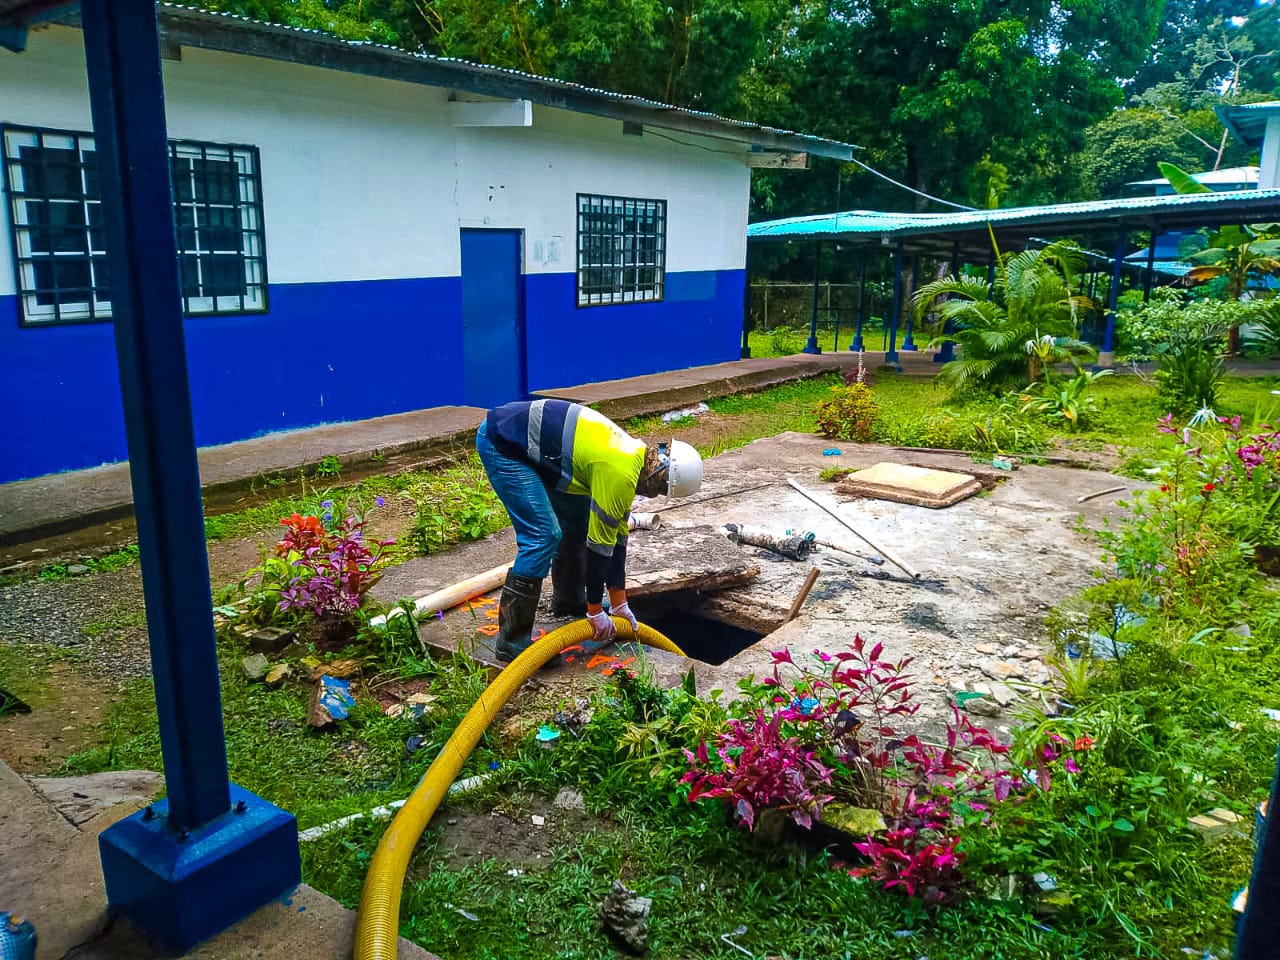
[906, 484]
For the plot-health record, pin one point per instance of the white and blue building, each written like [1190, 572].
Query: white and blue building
[364, 231]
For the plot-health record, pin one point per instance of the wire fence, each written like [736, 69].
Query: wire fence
[780, 312]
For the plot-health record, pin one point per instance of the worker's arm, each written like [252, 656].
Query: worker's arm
[611, 494]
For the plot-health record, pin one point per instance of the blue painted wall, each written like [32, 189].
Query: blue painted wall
[329, 352]
[324, 352]
[699, 321]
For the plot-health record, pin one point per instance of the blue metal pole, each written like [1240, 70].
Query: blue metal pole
[908, 342]
[948, 351]
[1107, 355]
[211, 853]
[856, 343]
[891, 355]
[811, 346]
[132, 148]
[1151, 267]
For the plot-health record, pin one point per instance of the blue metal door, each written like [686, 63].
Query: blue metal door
[493, 348]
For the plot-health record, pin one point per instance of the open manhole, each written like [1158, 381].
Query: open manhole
[683, 619]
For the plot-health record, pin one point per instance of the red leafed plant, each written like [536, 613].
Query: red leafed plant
[832, 720]
[758, 768]
[333, 567]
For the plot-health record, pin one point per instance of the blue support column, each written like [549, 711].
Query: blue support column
[856, 343]
[1107, 355]
[947, 353]
[811, 345]
[210, 854]
[1149, 279]
[746, 316]
[908, 342]
[891, 354]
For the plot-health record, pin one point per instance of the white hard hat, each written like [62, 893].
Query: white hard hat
[684, 470]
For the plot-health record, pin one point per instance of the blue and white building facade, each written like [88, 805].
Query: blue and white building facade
[365, 232]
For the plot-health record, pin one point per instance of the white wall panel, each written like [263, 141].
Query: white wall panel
[367, 179]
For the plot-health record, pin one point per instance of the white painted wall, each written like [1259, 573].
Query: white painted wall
[1269, 165]
[530, 177]
[366, 179]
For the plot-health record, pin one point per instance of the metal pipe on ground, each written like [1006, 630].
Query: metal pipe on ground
[887, 554]
[792, 546]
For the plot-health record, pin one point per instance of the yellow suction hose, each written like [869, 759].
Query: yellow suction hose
[378, 924]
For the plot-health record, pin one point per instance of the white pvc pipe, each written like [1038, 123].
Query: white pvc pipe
[450, 597]
[377, 813]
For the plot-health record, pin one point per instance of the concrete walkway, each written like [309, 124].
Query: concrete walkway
[61, 502]
[67, 514]
[660, 392]
[50, 874]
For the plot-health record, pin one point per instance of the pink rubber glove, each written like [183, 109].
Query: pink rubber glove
[603, 627]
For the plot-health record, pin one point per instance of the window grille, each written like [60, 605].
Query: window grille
[622, 249]
[58, 236]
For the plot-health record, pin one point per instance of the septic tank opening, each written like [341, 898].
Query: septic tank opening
[680, 618]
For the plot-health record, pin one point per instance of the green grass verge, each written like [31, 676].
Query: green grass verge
[271, 750]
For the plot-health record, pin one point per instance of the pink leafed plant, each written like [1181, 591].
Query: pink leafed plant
[334, 568]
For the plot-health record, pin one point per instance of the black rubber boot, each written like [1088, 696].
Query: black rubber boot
[569, 580]
[516, 610]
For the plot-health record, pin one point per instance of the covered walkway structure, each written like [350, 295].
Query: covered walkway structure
[1102, 226]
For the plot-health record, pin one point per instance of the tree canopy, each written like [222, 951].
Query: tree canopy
[980, 102]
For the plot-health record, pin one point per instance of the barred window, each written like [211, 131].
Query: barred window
[622, 249]
[58, 237]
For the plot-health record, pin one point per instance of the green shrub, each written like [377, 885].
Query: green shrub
[1150, 328]
[783, 341]
[1062, 400]
[850, 414]
[1190, 372]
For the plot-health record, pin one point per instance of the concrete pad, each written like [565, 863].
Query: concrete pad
[992, 566]
[81, 799]
[904, 483]
[50, 874]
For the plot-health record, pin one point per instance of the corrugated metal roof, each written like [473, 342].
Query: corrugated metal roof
[1138, 212]
[1208, 178]
[230, 33]
[1248, 121]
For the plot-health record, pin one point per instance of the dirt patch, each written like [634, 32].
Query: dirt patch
[1086, 453]
[703, 431]
[514, 838]
[65, 718]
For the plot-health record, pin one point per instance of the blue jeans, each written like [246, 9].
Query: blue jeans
[540, 514]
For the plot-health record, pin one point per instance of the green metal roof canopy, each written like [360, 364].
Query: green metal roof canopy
[1095, 221]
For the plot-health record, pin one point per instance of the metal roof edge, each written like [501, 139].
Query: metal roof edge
[1224, 115]
[914, 224]
[230, 33]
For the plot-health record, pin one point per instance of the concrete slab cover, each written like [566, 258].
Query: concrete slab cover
[903, 483]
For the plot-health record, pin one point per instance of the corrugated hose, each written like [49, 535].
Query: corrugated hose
[378, 923]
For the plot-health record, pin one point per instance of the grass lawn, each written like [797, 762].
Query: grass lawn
[1144, 886]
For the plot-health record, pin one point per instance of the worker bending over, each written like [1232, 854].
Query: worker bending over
[568, 475]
